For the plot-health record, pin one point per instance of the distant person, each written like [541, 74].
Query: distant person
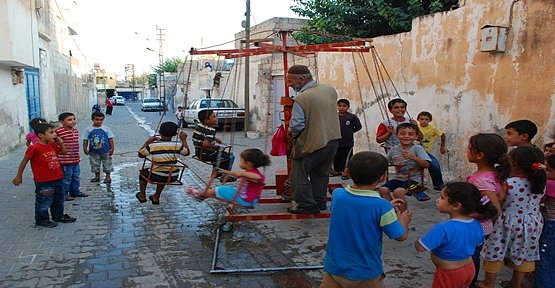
[31, 137]
[520, 133]
[429, 133]
[96, 108]
[98, 143]
[208, 146]
[47, 175]
[451, 243]
[179, 116]
[349, 124]
[359, 219]
[409, 159]
[109, 106]
[70, 160]
[251, 181]
[315, 132]
[207, 66]
[162, 150]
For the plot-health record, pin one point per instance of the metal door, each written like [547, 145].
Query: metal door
[279, 91]
[32, 92]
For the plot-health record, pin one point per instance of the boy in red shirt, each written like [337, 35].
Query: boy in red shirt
[47, 173]
[70, 161]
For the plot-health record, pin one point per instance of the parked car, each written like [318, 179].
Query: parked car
[151, 104]
[119, 100]
[229, 114]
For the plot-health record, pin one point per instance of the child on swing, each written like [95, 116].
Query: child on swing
[251, 181]
[161, 149]
[208, 147]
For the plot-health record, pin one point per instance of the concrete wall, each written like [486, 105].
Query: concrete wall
[62, 88]
[18, 28]
[438, 67]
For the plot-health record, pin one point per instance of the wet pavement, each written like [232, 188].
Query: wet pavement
[119, 242]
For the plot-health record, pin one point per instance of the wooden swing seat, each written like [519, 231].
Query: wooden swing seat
[180, 165]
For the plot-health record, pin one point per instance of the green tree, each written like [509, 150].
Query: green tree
[345, 19]
[152, 83]
[169, 65]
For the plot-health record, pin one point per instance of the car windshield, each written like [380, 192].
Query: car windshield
[214, 103]
[151, 100]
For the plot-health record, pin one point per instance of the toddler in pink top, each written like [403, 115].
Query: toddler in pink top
[251, 181]
[31, 137]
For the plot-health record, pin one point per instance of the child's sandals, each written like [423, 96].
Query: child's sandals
[195, 194]
[421, 196]
[94, 180]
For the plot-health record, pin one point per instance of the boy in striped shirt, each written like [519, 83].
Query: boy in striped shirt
[162, 150]
[70, 161]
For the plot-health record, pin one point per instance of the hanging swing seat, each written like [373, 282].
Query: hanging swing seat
[174, 170]
[204, 155]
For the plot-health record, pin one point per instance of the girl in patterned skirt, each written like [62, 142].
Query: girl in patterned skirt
[516, 234]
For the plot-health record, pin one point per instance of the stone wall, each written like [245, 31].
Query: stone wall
[438, 67]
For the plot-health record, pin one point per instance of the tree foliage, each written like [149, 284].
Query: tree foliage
[340, 20]
[169, 65]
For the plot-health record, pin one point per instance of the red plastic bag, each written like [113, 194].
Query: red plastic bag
[279, 142]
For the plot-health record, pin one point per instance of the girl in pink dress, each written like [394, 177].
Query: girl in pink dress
[489, 152]
[516, 233]
[251, 181]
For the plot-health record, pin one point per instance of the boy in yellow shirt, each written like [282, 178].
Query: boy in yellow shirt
[429, 134]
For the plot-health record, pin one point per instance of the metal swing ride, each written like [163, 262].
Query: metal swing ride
[281, 177]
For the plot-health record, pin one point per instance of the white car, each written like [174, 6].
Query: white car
[119, 100]
[151, 104]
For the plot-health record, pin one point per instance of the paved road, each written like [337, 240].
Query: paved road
[117, 242]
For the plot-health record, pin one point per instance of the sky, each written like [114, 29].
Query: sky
[114, 33]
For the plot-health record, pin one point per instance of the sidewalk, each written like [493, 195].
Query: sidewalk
[118, 242]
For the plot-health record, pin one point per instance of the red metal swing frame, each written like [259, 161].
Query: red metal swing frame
[281, 176]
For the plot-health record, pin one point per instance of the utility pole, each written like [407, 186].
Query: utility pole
[247, 66]
[162, 85]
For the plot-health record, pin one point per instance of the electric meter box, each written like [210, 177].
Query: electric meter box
[494, 38]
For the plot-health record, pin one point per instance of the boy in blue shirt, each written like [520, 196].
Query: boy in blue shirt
[369, 216]
[98, 143]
